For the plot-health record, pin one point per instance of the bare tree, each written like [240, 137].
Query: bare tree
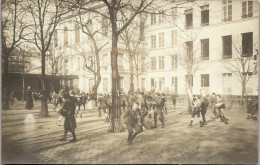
[45, 16]
[95, 46]
[241, 62]
[133, 40]
[13, 31]
[55, 62]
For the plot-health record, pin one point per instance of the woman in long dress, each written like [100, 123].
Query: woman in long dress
[29, 99]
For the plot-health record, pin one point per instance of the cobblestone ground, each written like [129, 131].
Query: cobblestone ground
[26, 138]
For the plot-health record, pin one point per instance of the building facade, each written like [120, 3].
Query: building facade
[207, 39]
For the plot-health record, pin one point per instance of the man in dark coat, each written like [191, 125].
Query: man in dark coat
[29, 100]
[69, 107]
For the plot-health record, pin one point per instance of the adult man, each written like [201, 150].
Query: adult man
[174, 99]
[132, 120]
[221, 107]
[143, 107]
[29, 100]
[158, 110]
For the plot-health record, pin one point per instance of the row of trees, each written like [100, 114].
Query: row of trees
[35, 22]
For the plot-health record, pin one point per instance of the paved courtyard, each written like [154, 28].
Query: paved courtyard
[26, 138]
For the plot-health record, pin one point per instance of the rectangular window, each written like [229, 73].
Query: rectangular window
[161, 83]
[152, 82]
[174, 37]
[153, 63]
[153, 41]
[227, 10]
[65, 36]
[174, 13]
[189, 49]
[175, 84]
[190, 79]
[77, 33]
[161, 18]
[120, 62]
[205, 15]
[227, 46]
[204, 49]
[204, 80]
[247, 44]
[122, 83]
[56, 38]
[247, 9]
[227, 83]
[174, 61]
[189, 17]
[161, 39]
[153, 19]
[161, 62]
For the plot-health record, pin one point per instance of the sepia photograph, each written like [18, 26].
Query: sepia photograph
[129, 81]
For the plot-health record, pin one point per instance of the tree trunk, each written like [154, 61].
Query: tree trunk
[44, 106]
[243, 90]
[6, 92]
[131, 68]
[95, 87]
[137, 82]
[116, 114]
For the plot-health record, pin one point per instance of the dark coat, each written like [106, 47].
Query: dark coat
[29, 100]
[70, 121]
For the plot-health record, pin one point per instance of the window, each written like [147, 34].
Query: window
[175, 84]
[247, 44]
[104, 27]
[205, 15]
[227, 46]
[105, 84]
[174, 62]
[161, 62]
[78, 64]
[153, 63]
[120, 62]
[56, 38]
[143, 84]
[143, 64]
[153, 41]
[189, 79]
[227, 83]
[161, 18]
[65, 36]
[77, 34]
[161, 83]
[174, 13]
[247, 9]
[204, 80]
[122, 83]
[142, 37]
[227, 10]
[188, 14]
[152, 82]
[174, 37]
[189, 50]
[153, 19]
[161, 39]
[204, 49]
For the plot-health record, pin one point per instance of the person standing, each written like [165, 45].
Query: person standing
[174, 99]
[29, 99]
[68, 108]
[203, 108]
[213, 102]
[221, 107]
[158, 110]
